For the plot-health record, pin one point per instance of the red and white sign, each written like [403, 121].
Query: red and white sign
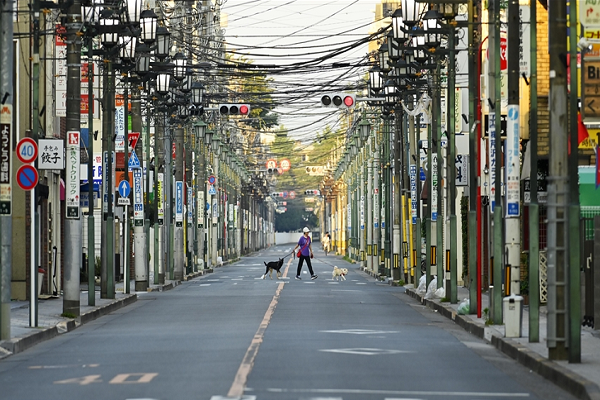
[133, 138]
[292, 195]
[74, 138]
[271, 163]
[27, 150]
[27, 177]
[285, 165]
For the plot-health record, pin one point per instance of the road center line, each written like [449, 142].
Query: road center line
[239, 382]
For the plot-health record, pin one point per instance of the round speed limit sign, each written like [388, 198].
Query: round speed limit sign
[27, 150]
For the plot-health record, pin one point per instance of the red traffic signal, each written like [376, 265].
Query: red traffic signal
[339, 100]
[234, 109]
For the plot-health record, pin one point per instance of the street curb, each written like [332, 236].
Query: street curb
[569, 381]
[18, 345]
[173, 284]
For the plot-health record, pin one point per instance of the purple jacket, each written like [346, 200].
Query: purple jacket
[305, 251]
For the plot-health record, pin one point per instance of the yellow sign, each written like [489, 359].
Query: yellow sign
[591, 142]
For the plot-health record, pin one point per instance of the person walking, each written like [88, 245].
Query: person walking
[305, 253]
[325, 242]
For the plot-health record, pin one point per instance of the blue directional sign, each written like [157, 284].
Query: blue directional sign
[179, 202]
[124, 189]
[134, 161]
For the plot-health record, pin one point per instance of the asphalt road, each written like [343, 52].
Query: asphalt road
[233, 335]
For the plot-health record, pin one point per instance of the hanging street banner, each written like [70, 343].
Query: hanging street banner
[138, 198]
[5, 159]
[513, 164]
[72, 174]
[159, 199]
[179, 203]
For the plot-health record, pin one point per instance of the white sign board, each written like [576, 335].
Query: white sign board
[51, 154]
[72, 175]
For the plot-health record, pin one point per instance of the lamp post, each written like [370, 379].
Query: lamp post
[109, 38]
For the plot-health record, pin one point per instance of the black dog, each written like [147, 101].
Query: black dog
[273, 265]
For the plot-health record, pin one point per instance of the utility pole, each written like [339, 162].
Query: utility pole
[574, 263]
[159, 227]
[451, 292]
[139, 228]
[398, 194]
[35, 111]
[91, 234]
[558, 311]
[178, 244]
[513, 170]
[495, 154]
[107, 288]
[474, 157]
[73, 232]
[6, 128]
[534, 216]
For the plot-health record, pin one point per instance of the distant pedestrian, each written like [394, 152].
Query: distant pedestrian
[325, 242]
[305, 253]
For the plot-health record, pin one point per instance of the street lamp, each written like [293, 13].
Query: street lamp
[163, 81]
[411, 12]
[197, 92]
[375, 79]
[180, 70]
[148, 22]
[163, 42]
[109, 24]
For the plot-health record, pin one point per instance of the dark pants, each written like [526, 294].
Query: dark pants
[300, 261]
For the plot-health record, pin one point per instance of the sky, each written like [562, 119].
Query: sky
[316, 39]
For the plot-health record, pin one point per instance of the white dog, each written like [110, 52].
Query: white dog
[339, 273]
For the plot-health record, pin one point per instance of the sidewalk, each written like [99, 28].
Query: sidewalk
[578, 379]
[51, 323]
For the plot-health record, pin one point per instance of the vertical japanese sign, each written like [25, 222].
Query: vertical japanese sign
[513, 190]
[138, 198]
[159, 198]
[375, 208]
[434, 187]
[413, 192]
[179, 203]
[492, 161]
[120, 123]
[60, 71]
[105, 187]
[462, 170]
[72, 173]
[362, 213]
[5, 161]
[230, 213]
[201, 208]
[190, 205]
[349, 216]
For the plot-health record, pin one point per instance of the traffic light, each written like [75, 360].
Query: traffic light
[234, 109]
[339, 100]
